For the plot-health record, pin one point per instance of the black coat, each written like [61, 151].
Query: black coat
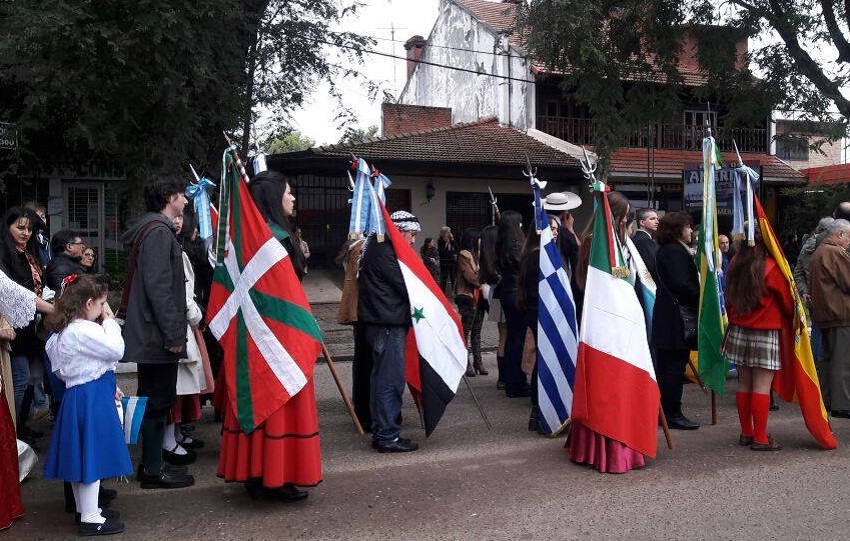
[647, 248]
[678, 279]
[59, 268]
[156, 308]
[382, 296]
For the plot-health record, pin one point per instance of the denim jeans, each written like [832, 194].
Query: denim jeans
[387, 380]
[20, 378]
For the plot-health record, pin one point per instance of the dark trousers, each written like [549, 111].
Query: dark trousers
[158, 382]
[531, 323]
[671, 371]
[388, 345]
[515, 383]
[361, 375]
[836, 368]
[448, 274]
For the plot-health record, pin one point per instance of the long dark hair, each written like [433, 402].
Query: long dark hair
[69, 305]
[469, 241]
[16, 266]
[745, 278]
[510, 241]
[530, 250]
[670, 227]
[488, 264]
[619, 204]
[267, 189]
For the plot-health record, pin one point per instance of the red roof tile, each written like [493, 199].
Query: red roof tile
[633, 160]
[830, 174]
[481, 142]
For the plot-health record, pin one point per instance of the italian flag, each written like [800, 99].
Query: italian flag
[615, 393]
[258, 310]
[436, 352]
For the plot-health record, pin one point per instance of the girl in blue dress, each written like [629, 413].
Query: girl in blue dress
[88, 441]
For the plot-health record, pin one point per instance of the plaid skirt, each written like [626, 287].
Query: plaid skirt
[756, 348]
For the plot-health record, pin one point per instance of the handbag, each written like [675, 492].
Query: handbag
[689, 317]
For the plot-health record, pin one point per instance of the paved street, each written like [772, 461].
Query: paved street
[470, 483]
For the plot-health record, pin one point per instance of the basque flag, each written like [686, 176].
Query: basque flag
[557, 337]
[436, 356]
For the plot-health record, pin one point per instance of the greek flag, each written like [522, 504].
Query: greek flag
[557, 337]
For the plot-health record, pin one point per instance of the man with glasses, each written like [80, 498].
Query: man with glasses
[67, 248]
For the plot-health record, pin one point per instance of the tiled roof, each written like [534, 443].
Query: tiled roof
[499, 16]
[830, 174]
[673, 162]
[481, 142]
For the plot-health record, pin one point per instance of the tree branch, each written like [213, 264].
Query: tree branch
[838, 38]
[804, 62]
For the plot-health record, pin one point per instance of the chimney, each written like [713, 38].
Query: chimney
[414, 47]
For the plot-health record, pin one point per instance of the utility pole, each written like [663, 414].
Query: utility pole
[392, 28]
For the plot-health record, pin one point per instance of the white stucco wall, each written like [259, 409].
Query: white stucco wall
[471, 96]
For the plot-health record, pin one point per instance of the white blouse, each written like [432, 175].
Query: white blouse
[17, 303]
[85, 350]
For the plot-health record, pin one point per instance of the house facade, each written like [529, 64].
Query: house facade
[651, 167]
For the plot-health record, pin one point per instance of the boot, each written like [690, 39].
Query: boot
[478, 364]
[470, 372]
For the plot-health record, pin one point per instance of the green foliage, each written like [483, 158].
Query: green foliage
[621, 59]
[287, 142]
[356, 135]
[151, 84]
[810, 204]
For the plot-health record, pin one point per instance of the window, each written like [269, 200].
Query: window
[792, 148]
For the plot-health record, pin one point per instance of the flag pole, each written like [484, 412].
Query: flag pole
[663, 420]
[477, 403]
[713, 408]
[342, 392]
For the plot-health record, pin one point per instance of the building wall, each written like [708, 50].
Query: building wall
[831, 156]
[471, 96]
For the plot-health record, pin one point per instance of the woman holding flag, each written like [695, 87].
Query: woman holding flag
[759, 304]
[282, 452]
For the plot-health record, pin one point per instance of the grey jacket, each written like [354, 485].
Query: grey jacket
[156, 307]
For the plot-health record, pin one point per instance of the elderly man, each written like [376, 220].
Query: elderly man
[383, 308]
[644, 238]
[830, 291]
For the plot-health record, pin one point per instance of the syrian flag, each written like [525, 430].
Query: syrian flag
[258, 310]
[615, 391]
[436, 354]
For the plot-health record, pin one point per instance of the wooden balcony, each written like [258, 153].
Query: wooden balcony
[580, 131]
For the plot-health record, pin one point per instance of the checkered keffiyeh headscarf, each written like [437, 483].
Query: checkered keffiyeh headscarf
[405, 221]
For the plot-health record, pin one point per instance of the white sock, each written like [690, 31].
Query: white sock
[87, 502]
[169, 443]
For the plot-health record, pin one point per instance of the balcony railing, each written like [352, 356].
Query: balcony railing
[580, 131]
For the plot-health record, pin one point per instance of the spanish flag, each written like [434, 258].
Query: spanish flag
[797, 380]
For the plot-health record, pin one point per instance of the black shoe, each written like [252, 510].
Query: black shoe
[844, 414]
[179, 460]
[111, 526]
[680, 422]
[105, 513]
[165, 479]
[193, 444]
[400, 445]
[286, 493]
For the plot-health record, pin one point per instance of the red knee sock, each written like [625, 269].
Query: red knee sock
[760, 406]
[745, 414]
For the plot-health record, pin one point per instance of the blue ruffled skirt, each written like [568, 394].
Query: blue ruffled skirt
[88, 441]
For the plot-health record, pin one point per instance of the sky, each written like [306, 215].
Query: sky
[377, 19]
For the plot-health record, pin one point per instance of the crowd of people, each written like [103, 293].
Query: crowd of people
[65, 363]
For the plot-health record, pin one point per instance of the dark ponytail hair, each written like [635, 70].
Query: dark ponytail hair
[69, 305]
[267, 189]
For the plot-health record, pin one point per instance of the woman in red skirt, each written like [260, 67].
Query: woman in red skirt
[283, 452]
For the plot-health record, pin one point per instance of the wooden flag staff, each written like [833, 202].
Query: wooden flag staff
[342, 392]
[663, 419]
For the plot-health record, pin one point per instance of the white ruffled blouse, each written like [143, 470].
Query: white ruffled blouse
[85, 350]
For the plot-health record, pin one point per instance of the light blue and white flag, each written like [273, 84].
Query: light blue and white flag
[557, 331]
[201, 199]
[134, 411]
[365, 211]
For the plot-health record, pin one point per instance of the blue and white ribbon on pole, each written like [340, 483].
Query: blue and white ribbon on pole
[365, 211]
[201, 199]
[744, 174]
[557, 337]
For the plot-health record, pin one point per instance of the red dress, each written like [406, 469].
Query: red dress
[10, 486]
[283, 449]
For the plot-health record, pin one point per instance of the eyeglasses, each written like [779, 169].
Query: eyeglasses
[72, 243]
